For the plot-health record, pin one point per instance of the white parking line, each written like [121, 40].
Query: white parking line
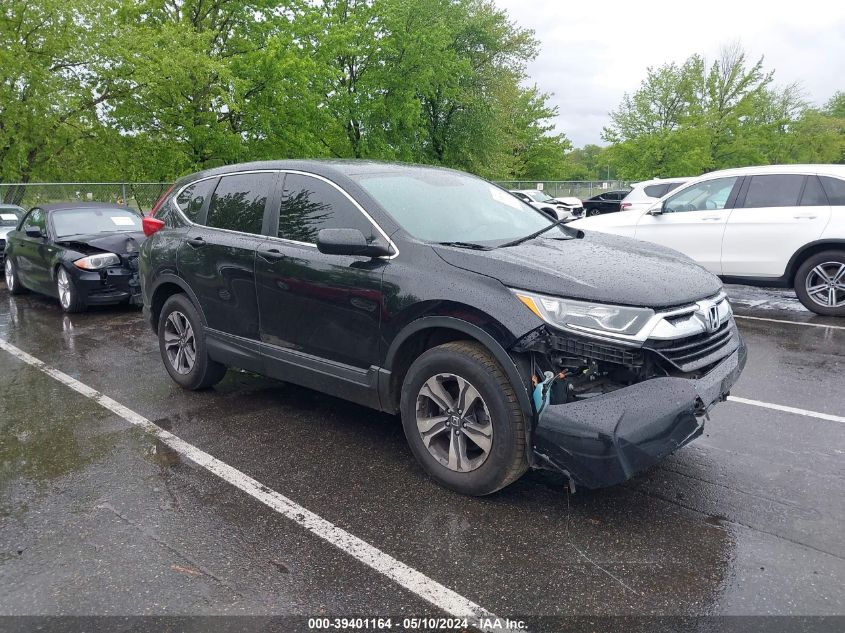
[796, 411]
[751, 318]
[414, 581]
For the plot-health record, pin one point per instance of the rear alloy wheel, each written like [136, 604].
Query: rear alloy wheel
[13, 283]
[593, 212]
[68, 294]
[181, 341]
[462, 419]
[820, 283]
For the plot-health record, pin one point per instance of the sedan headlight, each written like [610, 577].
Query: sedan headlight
[589, 318]
[96, 262]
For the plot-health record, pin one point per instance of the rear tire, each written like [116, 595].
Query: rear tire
[13, 282]
[820, 283]
[468, 433]
[182, 343]
[593, 212]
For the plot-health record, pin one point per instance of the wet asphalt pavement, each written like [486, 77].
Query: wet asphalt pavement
[98, 517]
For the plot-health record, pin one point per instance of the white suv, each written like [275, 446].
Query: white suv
[778, 225]
[646, 193]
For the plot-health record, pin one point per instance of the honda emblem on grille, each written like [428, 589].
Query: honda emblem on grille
[712, 323]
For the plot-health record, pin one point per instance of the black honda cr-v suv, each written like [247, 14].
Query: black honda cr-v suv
[504, 339]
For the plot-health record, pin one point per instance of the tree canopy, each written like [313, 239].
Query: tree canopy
[151, 89]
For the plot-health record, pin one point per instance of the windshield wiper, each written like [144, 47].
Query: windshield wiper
[473, 246]
[520, 240]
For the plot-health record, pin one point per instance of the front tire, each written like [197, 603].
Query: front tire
[462, 419]
[67, 292]
[13, 282]
[820, 283]
[182, 343]
[593, 213]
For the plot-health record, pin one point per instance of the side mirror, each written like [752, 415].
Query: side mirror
[34, 231]
[348, 242]
[657, 210]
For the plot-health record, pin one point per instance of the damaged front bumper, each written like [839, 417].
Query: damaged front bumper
[605, 440]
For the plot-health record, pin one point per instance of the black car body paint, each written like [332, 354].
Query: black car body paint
[350, 326]
[38, 259]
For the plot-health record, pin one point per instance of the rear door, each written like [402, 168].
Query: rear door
[776, 214]
[217, 257]
[693, 221]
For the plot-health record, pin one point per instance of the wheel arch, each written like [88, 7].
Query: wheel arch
[428, 332]
[165, 287]
[808, 250]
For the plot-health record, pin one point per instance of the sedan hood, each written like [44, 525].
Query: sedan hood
[120, 243]
[597, 267]
[569, 200]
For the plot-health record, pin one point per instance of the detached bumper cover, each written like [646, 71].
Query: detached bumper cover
[607, 439]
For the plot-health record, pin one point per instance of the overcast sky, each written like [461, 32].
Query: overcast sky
[593, 52]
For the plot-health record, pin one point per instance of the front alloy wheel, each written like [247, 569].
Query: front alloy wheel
[68, 295]
[179, 343]
[10, 275]
[454, 422]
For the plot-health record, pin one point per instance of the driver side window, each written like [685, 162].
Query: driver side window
[35, 219]
[705, 196]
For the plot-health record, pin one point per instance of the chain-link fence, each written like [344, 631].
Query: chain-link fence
[139, 195]
[559, 188]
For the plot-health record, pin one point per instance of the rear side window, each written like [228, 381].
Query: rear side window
[656, 191]
[192, 197]
[238, 202]
[835, 190]
[773, 190]
[813, 195]
[672, 186]
[310, 204]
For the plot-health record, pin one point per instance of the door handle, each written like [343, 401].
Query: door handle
[271, 254]
[712, 217]
[804, 216]
[196, 242]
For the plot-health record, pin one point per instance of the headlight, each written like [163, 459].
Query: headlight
[597, 318]
[95, 262]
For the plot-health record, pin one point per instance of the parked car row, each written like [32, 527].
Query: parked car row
[504, 337]
[779, 226]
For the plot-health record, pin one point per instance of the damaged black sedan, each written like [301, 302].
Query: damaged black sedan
[505, 340]
[82, 253]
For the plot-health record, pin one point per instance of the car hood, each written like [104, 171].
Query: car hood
[598, 267]
[120, 243]
[569, 200]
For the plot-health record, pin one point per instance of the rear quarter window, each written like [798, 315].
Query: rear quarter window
[656, 191]
[192, 197]
[835, 190]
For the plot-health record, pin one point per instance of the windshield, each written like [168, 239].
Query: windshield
[538, 196]
[67, 222]
[10, 216]
[445, 206]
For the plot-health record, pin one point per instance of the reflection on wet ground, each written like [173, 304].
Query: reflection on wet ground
[100, 518]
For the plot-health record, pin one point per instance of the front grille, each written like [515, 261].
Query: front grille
[580, 348]
[699, 351]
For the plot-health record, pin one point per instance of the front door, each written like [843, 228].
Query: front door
[317, 306]
[693, 221]
[32, 254]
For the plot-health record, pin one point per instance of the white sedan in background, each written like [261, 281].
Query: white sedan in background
[778, 225]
